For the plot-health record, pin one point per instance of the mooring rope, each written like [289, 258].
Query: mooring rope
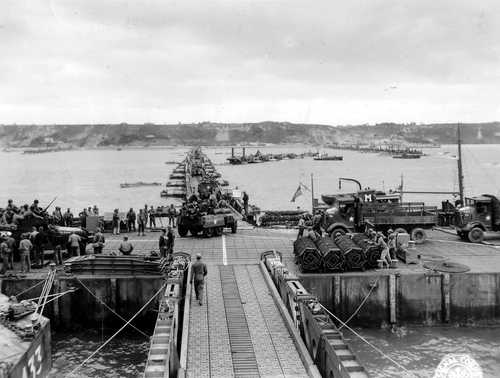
[370, 344]
[360, 305]
[117, 332]
[109, 308]
[54, 295]
[30, 288]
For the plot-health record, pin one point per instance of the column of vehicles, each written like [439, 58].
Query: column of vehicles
[354, 212]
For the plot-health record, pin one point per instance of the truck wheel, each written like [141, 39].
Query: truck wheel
[234, 228]
[193, 231]
[418, 235]
[400, 230]
[476, 235]
[336, 231]
[182, 230]
[208, 232]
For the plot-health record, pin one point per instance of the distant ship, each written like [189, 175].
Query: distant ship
[328, 157]
[407, 155]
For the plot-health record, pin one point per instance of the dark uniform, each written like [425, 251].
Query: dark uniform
[198, 273]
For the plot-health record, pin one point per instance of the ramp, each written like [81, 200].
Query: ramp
[239, 330]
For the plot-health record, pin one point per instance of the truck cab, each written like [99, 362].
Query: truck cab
[478, 215]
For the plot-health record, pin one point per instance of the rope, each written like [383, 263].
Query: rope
[30, 288]
[109, 308]
[370, 344]
[360, 305]
[42, 300]
[54, 295]
[117, 332]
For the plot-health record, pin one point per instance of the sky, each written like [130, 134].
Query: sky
[329, 62]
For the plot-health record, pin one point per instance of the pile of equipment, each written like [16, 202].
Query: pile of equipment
[289, 218]
[341, 254]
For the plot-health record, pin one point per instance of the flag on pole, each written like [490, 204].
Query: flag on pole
[297, 193]
[305, 187]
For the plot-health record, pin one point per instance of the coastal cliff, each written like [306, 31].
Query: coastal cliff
[208, 133]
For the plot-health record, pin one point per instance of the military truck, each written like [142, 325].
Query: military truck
[478, 215]
[196, 222]
[377, 210]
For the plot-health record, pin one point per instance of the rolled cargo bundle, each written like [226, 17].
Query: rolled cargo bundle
[353, 255]
[372, 251]
[307, 255]
[333, 258]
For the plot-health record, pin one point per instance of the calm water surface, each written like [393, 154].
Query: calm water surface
[420, 350]
[84, 178]
[122, 357]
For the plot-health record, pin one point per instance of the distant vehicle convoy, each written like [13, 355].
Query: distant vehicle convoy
[478, 215]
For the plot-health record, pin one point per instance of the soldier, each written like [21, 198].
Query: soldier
[170, 242]
[141, 222]
[302, 226]
[245, 203]
[4, 255]
[116, 222]
[163, 243]
[74, 243]
[131, 217]
[198, 273]
[152, 219]
[35, 209]
[172, 213]
[39, 241]
[125, 246]
[11, 243]
[317, 223]
[57, 215]
[25, 248]
[98, 242]
[384, 255]
[68, 218]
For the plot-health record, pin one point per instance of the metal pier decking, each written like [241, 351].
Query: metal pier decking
[239, 330]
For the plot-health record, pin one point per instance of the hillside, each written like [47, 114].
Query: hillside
[87, 136]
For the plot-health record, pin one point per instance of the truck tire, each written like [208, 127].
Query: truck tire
[400, 230]
[418, 235]
[234, 228]
[218, 231]
[337, 230]
[208, 232]
[193, 231]
[182, 230]
[476, 235]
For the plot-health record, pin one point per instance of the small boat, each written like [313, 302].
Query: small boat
[406, 155]
[328, 157]
[137, 184]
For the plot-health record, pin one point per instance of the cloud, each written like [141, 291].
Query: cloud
[168, 61]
